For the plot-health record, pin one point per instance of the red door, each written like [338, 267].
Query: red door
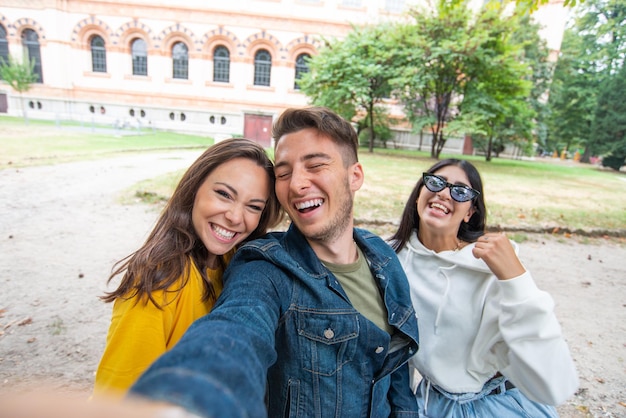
[3, 103]
[258, 128]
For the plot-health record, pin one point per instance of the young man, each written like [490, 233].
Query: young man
[313, 322]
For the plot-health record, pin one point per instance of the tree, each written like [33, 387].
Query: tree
[572, 99]
[445, 54]
[351, 76]
[533, 5]
[498, 98]
[609, 125]
[20, 76]
[593, 53]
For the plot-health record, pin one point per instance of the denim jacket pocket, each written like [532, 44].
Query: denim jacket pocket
[329, 340]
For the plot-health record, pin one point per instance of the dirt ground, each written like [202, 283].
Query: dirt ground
[61, 229]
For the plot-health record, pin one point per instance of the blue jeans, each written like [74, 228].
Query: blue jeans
[434, 402]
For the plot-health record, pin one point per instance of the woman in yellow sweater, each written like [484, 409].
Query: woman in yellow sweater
[225, 197]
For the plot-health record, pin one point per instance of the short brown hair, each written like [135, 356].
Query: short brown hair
[326, 122]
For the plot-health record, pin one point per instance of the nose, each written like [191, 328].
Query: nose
[299, 180]
[444, 193]
[234, 214]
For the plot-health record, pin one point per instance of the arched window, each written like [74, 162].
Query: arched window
[180, 61]
[221, 65]
[98, 55]
[262, 68]
[30, 43]
[4, 46]
[139, 51]
[301, 68]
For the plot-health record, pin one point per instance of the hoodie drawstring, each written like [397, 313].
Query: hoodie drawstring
[426, 397]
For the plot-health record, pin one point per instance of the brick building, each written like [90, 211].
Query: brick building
[220, 68]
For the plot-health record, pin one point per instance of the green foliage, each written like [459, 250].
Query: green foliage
[350, 76]
[592, 55]
[453, 70]
[609, 125]
[613, 161]
[19, 75]
[460, 71]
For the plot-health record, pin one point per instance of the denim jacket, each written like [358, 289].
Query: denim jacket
[283, 340]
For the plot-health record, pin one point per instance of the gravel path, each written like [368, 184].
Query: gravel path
[61, 229]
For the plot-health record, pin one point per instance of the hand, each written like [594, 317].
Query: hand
[496, 251]
[52, 404]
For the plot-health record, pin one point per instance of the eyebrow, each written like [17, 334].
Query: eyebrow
[234, 191]
[306, 158]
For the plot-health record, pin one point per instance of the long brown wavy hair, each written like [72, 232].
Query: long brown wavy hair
[164, 257]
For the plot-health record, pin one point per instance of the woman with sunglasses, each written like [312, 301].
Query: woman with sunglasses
[490, 343]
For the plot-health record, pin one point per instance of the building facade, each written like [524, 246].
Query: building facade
[220, 68]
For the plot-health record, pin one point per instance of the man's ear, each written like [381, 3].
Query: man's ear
[357, 176]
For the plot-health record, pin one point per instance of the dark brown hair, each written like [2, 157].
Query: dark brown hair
[326, 122]
[468, 231]
[164, 257]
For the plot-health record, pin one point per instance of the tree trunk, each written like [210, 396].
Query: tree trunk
[24, 110]
[586, 158]
[433, 146]
[370, 116]
[440, 144]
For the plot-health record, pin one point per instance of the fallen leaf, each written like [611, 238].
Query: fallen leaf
[555, 230]
[31, 340]
[25, 321]
[600, 380]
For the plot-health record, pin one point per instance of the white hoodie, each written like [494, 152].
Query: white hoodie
[472, 325]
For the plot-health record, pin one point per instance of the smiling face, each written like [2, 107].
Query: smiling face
[314, 186]
[229, 203]
[438, 211]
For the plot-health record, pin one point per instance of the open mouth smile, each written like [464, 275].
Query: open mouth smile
[308, 205]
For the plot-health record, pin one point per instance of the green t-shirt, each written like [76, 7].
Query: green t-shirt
[359, 284]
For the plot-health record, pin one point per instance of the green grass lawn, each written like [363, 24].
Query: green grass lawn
[43, 142]
[537, 195]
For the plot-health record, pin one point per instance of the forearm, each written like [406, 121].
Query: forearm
[220, 365]
[538, 360]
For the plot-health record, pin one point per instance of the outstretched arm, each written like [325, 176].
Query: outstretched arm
[219, 367]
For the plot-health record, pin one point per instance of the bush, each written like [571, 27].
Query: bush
[613, 162]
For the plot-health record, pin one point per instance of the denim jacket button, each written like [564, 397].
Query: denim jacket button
[329, 333]
[379, 350]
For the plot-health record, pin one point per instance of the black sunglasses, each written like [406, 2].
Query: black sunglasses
[458, 192]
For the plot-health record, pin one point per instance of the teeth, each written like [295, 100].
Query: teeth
[309, 203]
[223, 233]
[438, 206]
